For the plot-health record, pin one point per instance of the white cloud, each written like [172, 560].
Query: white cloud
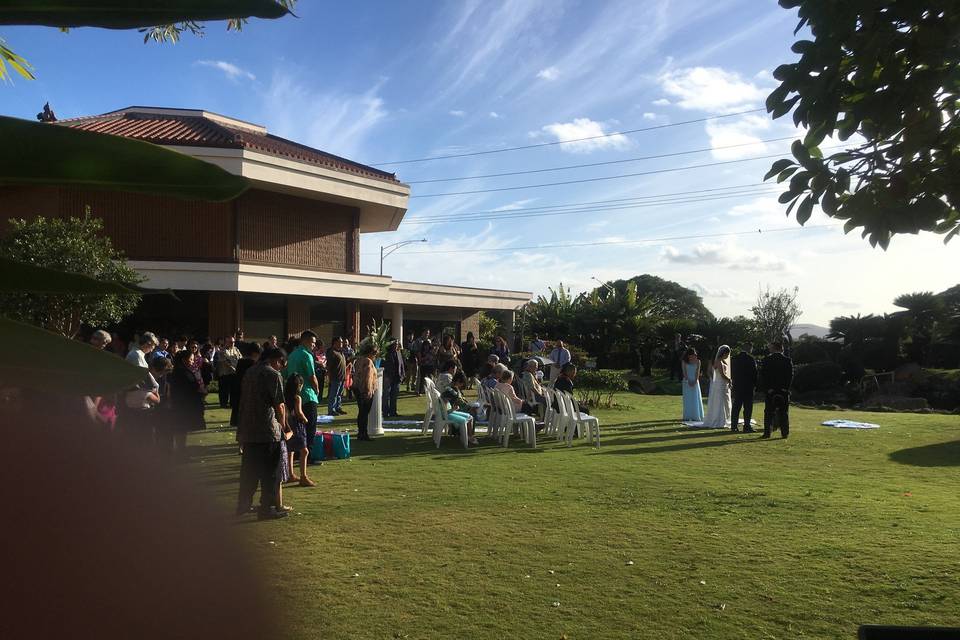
[232, 71]
[708, 292]
[662, 102]
[711, 89]
[764, 213]
[727, 255]
[459, 113]
[495, 115]
[334, 121]
[743, 132]
[516, 204]
[585, 128]
[550, 73]
[649, 116]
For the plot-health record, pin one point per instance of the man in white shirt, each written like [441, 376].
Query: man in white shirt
[147, 343]
[537, 345]
[560, 356]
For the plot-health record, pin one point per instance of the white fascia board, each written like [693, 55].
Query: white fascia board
[382, 204]
[437, 295]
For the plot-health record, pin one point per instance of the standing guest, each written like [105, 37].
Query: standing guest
[393, 373]
[238, 339]
[560, 356]
[162, 349]
[196, 363]
[209, 353]
[692, 396]
[146, 344]
[743, 370]
[186, 405]
[227, 361]
[416, 349]
[139, 416]
[262, 418]
[413, 370]
[470, 358]
[447, 372]
[458, 409]
[427, 360]
[100, 339]
[348, 355]
[320, 367]
[500, 349]
[348, 351]
[302, 363]
[251, 354]
[537, 345]
[337, 373]
[364, 386]
[776, 376]
[448, 351]
[272, 343]
[101, 409]
[179, 344]
[299, 424]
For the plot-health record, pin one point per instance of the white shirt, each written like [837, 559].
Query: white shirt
[136, 357]
[560, 356]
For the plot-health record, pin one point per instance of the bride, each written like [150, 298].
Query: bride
[718, 402]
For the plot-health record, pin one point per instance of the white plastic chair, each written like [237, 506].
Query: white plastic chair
[527, 425]
[587, 424]
[428, 387]
[551, 418]
[441, 421]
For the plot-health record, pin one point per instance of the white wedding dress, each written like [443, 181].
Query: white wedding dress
[718, 402]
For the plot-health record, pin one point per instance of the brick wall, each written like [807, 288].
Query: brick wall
[470, 323]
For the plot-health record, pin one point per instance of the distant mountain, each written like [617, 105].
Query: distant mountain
[810, 330]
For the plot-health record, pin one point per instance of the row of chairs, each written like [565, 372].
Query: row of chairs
[566, 420]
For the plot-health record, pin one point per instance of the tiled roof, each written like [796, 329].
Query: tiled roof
[190, 128]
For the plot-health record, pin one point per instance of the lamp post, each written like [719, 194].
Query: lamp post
[390, 248]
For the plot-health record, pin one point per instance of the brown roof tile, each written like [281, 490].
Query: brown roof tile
[191, 129]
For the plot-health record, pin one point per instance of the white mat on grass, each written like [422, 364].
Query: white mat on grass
[849, 424]
[699, 425]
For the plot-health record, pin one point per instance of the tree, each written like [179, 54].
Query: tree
[675, 300]
[775, 312]
[923, 311]
[886, 70]
[73, 245]
[553, 315]
[488, 327]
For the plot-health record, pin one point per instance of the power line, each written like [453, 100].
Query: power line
[599, 164]
[592, 202]
[558, 142]
[600, 179]
[510, 215]
[625, 242]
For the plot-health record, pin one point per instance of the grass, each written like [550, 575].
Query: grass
[729, 536]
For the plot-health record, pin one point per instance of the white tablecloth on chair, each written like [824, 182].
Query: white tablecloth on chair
[375, 421]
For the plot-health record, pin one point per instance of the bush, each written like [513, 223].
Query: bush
[809, 352]
[819, 376]
[599, 386]
[944, 355]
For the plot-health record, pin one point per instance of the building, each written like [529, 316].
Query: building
[281, 258]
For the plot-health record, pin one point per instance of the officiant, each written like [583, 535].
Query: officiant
[743, 370]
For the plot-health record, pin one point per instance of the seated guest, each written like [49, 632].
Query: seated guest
[457, 405]
[492, 378]
[505, 387]
[568, 373]
[530, 379]
[448, 370]
[487, 367]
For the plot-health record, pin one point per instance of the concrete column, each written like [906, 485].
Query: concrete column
[396, 322]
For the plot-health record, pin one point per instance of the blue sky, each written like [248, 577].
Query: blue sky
[384, 81]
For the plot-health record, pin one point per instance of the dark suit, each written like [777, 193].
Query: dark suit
[776, 376]
[393, 372]
[743, 370]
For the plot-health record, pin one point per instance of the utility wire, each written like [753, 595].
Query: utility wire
[625, 242]
[592, 202]
[558, 142]
[599, 164]
[600, 179]
[510, 215]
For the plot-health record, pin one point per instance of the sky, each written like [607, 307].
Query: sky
[380, 82]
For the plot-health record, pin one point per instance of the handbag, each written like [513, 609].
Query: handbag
[341, 445]
[316, 451]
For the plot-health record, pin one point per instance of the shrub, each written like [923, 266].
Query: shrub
[819, 376]
[596, 387]
[809, 352]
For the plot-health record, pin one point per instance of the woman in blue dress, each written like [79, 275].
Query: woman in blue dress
[692, 398]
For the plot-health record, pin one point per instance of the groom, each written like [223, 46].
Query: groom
[743, 370]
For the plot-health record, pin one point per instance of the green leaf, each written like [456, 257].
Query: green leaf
[777, 167]
[951, 235]
[37, 359]
[49, 154]
[132, 14]
[786, 173]
[8, 56]
[804, 210]
[799, 151]
[829, 202]
[18, 276]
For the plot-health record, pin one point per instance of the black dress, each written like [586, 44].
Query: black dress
[186, 401]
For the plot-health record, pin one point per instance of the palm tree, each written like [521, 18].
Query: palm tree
[923, 311]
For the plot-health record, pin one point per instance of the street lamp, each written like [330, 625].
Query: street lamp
[393, 247]
[604, 285]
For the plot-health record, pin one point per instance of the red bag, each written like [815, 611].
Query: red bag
[328, 445]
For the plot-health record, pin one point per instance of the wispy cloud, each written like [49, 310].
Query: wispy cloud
[334, 121]
[585, 128]
[457, 113]
[708, 292]
[649, 115]
[550, 73]
[230, 70]
[662, 102]
[516, 204]
[710, 89]
[743, 131]
[495, 115]
[726, 255]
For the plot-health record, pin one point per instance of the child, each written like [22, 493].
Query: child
[455, 401]
[298, 424]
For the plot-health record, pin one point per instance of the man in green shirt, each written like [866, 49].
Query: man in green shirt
[301, 361]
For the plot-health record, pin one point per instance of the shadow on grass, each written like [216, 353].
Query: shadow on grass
[677, 436]
[942, 454]
[692, 441]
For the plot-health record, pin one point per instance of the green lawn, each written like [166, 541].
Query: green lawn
[729, 536]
